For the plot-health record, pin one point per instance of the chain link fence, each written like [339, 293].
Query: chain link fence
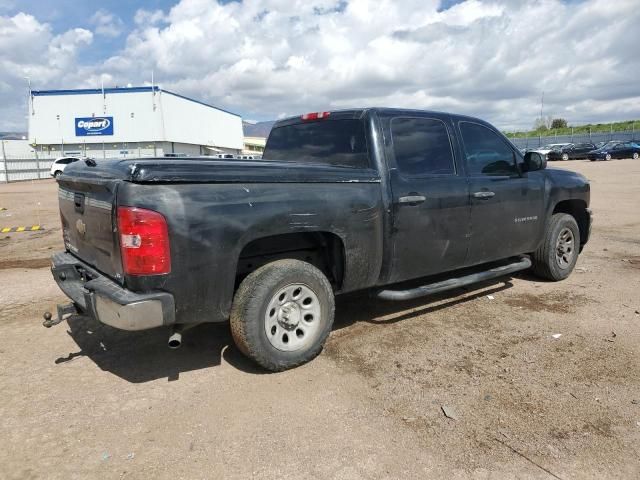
[540, 140]
[18, 169]
[20, 162]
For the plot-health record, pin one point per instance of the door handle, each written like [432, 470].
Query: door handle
[484, 195]
[412, 199]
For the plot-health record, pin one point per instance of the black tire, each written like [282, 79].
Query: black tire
[548, 261]
[249, 313]
[57, 173]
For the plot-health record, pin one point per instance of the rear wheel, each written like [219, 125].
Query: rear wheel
[557, 255]
[57, 173]
[565, 157]
[282, 314]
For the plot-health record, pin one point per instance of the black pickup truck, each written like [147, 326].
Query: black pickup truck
[341, 201]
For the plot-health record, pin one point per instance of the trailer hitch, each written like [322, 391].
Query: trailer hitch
[64, 312]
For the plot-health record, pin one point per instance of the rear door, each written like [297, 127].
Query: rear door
[429, 193]
[506, 206]
[87, 214]
[623, 150]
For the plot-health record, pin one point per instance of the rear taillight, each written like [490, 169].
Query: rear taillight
[144, 241]
[315, 116]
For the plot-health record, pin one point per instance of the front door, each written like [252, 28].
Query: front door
[506, 205]
[430, 196]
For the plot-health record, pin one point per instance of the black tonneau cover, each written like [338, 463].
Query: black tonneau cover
[210, 170]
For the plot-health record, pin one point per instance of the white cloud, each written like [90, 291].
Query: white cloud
[147, 18]
[107, 24]
[28, 48]
[269, 58]
[487, 58]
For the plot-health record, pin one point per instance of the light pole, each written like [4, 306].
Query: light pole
[132, 116]
[60, 133]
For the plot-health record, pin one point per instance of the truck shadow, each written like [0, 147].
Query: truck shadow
[139, 357]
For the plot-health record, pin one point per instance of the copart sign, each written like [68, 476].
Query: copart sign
[86, 127]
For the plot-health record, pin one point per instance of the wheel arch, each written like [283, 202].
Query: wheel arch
[323, 249]
[577, 209]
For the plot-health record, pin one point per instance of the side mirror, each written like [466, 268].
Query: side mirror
[534, 161]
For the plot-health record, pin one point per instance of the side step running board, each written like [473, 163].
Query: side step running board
[452, 283]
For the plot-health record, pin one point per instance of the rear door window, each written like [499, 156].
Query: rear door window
[330, 142]
[422, 147]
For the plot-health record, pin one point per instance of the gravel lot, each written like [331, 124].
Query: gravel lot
[83, 400]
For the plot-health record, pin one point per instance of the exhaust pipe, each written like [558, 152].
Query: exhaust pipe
[175, 340]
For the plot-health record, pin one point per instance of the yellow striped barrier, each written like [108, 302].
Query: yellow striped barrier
[32, 228]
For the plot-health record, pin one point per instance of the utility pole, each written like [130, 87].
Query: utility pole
[29, 96]
[4, 162]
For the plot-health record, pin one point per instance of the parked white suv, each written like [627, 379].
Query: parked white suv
[57, 167]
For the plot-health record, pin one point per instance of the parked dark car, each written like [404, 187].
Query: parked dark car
[615, 149]
[571, 151]
[341, 201]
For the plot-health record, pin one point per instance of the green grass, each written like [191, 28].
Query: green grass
[582, 129]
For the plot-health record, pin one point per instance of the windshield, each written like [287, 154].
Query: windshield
[609, 144]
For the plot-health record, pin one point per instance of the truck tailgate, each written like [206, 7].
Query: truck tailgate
[88, 223]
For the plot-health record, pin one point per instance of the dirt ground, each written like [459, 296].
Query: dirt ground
[83, 400]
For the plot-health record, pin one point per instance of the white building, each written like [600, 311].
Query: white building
[129, 122]
[254, 145]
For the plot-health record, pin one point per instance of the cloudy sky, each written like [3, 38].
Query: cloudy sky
[266, 59]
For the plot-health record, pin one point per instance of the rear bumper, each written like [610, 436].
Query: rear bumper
[107, 301]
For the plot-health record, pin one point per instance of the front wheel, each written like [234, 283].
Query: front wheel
[608, 156]
[565, 157]
[635, 156]
[558, 253]
[282, 314]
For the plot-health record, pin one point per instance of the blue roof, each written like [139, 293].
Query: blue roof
[98, 91]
